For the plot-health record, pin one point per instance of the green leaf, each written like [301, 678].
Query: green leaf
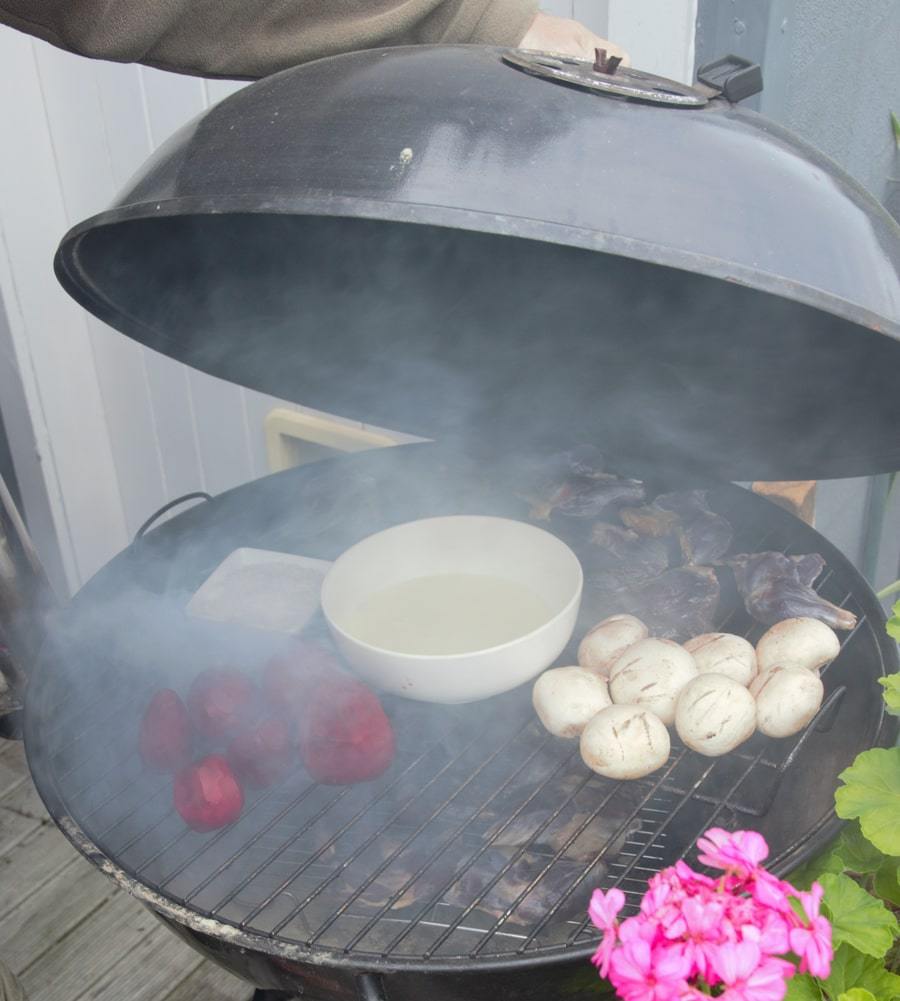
[830, 860]
[849, 852]
[891, 693]
[872, 793]
[858, 853]
[893, 627]
[857, 994]
[803, 987]
[851, 968]
[895, 125]
[887, 883]
[857, 918]
[893, 624]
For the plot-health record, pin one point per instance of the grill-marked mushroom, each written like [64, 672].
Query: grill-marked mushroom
[608, 640]
[566, 698]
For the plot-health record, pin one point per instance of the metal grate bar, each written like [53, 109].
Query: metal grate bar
[436, 897]
[265, 795]
[187, 833]
[370, 840]
[585, 870]
[97, 747]
[395, 854]
[318, 853]
[134, 810]
[344, 791]
[521, 851]
[666, 823]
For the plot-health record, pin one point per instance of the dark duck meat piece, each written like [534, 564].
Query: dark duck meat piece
[597, 497]
[677, 604]
[776, 587]
[703, 536]
[619, 558]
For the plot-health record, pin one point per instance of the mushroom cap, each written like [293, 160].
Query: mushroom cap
[714, 714]
[565, 698]
[724, 653]
[801, 643]
[625, 742]
[787, 700]
[605, 642]
[651, 673]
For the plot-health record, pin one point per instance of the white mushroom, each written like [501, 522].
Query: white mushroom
[625, 742]
[651, 673]
[565, 698]
[787, 700]
[604, 643]
[714, 714]
[802, 643]
[724, 653]
[762, 679]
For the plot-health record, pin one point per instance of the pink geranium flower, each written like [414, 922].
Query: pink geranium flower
[813, 944]
[694, 933]
[641, 973]
[602, 911]
[604, 908]
[741, 851]
[699, 929]
[748, 974]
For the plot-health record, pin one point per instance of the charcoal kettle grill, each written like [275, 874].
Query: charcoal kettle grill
[503, 251]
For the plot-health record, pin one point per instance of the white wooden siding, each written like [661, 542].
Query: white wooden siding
[103, 432]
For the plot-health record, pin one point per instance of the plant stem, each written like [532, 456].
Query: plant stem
[886, 592]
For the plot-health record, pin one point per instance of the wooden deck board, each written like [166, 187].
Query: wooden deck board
[66, 929]
[61, 904]
[211, 983]
[25, 868]
[149, 968]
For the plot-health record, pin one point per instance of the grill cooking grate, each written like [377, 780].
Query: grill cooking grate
[482, 841]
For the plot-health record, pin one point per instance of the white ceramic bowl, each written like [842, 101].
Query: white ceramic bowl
[461, 544]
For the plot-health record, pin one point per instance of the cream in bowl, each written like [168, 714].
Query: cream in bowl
[453, 609]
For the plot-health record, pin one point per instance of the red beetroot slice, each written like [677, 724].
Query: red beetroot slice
[289, 677]
[221, 701]
[345, 736]
[207, 794]
[261, 755]
[165, 736]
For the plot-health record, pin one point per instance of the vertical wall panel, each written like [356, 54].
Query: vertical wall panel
[594, 14]
[85, 130]
[658, 34]
[49, 331]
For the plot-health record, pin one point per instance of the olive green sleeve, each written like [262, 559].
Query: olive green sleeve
[252, 38]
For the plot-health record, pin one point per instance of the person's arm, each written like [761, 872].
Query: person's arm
[252, 38]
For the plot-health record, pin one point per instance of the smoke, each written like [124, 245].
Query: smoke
[502, 350]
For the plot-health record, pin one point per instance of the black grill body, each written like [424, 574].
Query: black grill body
[464, 871]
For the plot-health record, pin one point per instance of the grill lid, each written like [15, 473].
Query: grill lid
[431, 239]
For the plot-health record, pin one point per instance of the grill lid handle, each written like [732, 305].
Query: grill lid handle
[734, 78]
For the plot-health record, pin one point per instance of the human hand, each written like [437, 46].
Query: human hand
[549, 33]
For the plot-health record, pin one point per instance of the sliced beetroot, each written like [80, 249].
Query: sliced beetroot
[344, 734]
[222, 701]
[262, 754]
[207, 794]
[165, 736]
